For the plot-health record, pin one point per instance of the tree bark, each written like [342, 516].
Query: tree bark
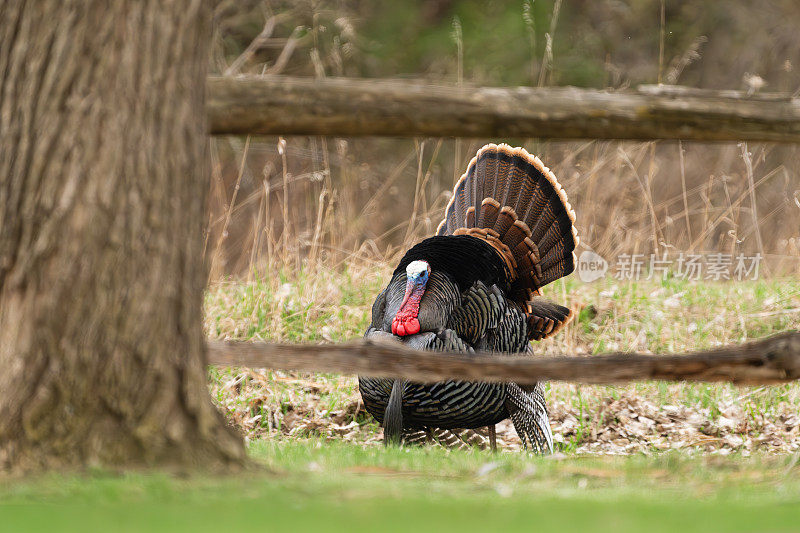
[102, 178]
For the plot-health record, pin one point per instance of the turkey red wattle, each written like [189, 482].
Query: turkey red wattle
[406, 321]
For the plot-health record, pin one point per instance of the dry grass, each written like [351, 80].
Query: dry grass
[304, 201]
[371, 199]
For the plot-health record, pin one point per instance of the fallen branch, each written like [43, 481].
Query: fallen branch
[350, 107]
[772, 360]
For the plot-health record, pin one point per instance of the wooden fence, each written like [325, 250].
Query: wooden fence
[769, 361]
[345, 107]
[342, 107]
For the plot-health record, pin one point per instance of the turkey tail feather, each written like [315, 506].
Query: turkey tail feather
[508, 198]
[545, 319]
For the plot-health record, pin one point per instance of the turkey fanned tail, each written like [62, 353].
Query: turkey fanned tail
[509, 199]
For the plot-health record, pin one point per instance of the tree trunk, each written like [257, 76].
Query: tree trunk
[102, 178]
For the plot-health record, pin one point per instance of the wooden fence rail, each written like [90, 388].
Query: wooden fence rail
[769, 361]
[348, 107]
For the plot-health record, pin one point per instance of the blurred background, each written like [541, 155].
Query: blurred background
[307, 202]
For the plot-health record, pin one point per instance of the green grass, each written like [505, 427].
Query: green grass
[309, 485]
[659, 315]
[303, 306]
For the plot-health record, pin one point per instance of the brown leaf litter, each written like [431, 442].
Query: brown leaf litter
[267, 404]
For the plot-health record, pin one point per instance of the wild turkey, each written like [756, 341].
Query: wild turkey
[508, 231]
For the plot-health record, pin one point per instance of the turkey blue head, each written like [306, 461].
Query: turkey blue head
[406, 320]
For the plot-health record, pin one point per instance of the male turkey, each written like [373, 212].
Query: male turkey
[508, 231]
